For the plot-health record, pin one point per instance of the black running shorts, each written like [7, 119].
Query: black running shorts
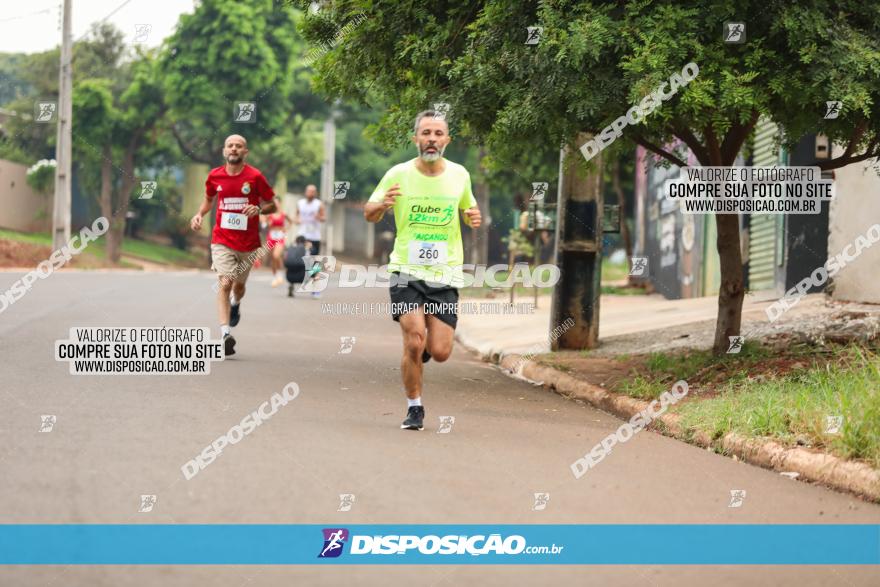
[441, 302]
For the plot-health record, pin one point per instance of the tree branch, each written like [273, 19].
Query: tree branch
[188, 149]
[842, 161]
[690, 139]
[735, 138]
[858, 132]
[659, 151]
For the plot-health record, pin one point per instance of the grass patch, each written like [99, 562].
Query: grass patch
[623, 291]
[162, 254]
[35, 238]
[660, 370]
[614, 271]
[148, 251]
[503, 292]
[547, 360]
[793, 408]
[610, 272]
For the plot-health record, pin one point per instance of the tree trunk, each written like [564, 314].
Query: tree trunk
[578, 251]
[720, 153]
[481, 235]
[731, 292]
[116, 234]
[624, 227]
[112, 242]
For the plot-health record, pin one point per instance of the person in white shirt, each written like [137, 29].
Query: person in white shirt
[310, 215]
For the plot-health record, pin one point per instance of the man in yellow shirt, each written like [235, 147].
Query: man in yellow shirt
[426, 194]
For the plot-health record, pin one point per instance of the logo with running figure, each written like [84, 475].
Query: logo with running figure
[446, 424]
[346, 344]
[539, 190]
[340, 189]
[734, 32]
[429, 215]
[533, 34]
[441, 110]
[245, 112]
[45, 111]
[638, 266]
[141, 32]
[47, 422]
[317, 274]
[346, 501]
[148, 188]
[541, 501]
[832, 109]
[736, 344]
[147, 503]
[334, 541]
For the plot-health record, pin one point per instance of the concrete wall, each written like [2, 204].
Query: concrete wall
[855, 208]
[21, 208]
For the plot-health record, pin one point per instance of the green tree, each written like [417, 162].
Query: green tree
[229, 52]
[112, 126]
[32, 77]
[595, 59]
[13, 85]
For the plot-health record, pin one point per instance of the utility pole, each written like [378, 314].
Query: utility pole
[480, 236]
[61, 210]
[328, 174]
[578, 249]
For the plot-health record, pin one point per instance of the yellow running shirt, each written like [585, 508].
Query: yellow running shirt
[428, 243]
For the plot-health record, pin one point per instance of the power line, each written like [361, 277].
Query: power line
[114, 11]
[22, 16]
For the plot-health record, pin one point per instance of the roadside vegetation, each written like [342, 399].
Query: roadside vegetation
[25, 249]
[614, 276]
[821, 397]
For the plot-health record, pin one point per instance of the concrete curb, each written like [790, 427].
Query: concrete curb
[823, 468]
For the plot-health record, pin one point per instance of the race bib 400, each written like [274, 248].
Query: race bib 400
[234, 221]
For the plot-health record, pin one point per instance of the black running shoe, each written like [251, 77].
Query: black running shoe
[426, 356]
[415, 418]
[234, 315]
[229, 345]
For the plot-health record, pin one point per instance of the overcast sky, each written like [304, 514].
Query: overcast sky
[33, 26]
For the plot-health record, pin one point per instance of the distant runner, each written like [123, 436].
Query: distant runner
[294, 263]
[310, 215]
[275, 240]
[426, 193]
[240, 190]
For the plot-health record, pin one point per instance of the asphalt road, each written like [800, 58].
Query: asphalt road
[119, 437]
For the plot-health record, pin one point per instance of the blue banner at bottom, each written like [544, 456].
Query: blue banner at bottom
[271, 544]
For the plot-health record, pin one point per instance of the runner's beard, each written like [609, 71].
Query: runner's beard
[431, 157]
[234, 159]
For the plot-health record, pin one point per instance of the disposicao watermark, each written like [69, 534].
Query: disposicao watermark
[235, 434]
[627, 430]
[640, 111]
[821, 274]
[554, 334]
[137, 350]
[317, 52]
[545, 275]
[56, 260]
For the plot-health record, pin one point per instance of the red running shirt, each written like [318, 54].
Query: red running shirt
[234, 193]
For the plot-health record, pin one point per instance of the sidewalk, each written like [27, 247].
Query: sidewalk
[623, 322]
[631, 326]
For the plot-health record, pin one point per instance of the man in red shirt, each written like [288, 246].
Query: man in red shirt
[242, 195]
